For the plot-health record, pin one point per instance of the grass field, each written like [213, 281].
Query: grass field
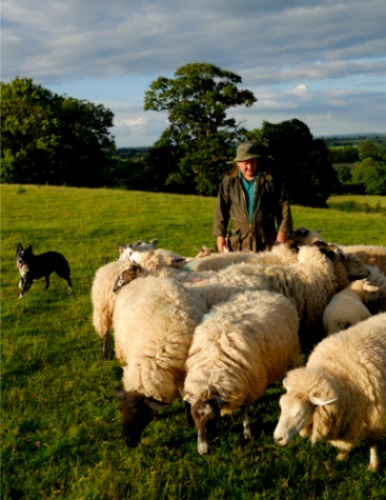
[61, 429]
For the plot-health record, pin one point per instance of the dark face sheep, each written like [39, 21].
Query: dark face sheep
[126, 276]
[137, 412]
[348, 267]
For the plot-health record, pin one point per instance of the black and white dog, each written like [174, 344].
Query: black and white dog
[32, 267]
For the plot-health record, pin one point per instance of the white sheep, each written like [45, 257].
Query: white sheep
[239, 348]
[279, 254]
[348, 307]
[144, 254]
[340, 395]
[320, 272]
[154, 320]
[373, 255]
[103, 297]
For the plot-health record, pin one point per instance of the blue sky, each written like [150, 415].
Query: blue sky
[323, 62]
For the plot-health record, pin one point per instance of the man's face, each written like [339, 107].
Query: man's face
[248, 168]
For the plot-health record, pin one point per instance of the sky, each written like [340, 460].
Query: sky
[322, 62]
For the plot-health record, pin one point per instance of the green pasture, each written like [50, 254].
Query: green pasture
[61, 429]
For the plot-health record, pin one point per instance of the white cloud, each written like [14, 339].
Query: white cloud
[281, 50]
[134, 123]
[300, 90]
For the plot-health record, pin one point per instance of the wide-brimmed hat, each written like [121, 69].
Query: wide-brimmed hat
[245, 151]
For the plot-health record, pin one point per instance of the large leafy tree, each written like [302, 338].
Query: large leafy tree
[47, 138]
[192, 151]
[302, 161]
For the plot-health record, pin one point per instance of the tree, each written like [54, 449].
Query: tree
[372, 175]
[302, 161]
[199, 134]
[368, 149]
[51, 139]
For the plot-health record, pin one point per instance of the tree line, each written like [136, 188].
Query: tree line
[59, 140]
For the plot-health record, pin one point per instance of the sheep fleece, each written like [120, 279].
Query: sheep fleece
[241, 347]
[154, 320]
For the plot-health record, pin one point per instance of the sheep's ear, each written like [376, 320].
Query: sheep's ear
[177, 261]
[155, 405]
[370, 287]
[154, 242]
[326, 249]
[317, 401]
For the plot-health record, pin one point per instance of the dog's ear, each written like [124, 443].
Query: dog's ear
[28, 249]
[19, 247]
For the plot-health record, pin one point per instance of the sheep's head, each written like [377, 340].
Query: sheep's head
[303, 236]
[127, 276]
[206, 415]
[203, 252]
[347, 266]
[297, 413]
[132, 251]
[137, 412]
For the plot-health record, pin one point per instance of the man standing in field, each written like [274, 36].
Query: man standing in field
[254, 203]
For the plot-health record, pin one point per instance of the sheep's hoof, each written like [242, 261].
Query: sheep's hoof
[342, 455]
[203, 448]
[373, 467]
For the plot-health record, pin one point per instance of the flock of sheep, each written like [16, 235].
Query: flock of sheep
[218, 329]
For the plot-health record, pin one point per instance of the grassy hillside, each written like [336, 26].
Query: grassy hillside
[61, 429]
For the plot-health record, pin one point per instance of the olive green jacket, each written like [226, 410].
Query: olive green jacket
[270, 206]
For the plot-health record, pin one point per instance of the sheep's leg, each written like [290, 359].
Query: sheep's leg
[247, 425]
[105, 347]
[188, 413]
[374, 461]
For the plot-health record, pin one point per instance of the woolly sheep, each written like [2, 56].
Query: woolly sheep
[340, 395]
[154, 320]
[143, 255]
[320, 272]
[348, 307]
[240, 348]
[304, 236]
[279, 254]
[103, 297]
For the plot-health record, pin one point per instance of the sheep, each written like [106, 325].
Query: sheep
[320, 272]
[143, 254]
[103, 297]
[279, 254]
[153, 321]
[373, 255]
[340, 395]
[138, 245]
[303, 236]
[348, 307]
[240, 348]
